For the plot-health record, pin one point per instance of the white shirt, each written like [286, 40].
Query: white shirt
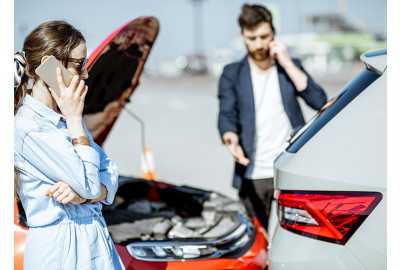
[273, 127]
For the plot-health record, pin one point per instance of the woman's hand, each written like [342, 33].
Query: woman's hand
[64, 194]
[72, 98]
[71, 103]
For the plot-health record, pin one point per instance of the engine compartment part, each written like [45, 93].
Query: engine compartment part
[181, 231]
[230, 246]
[138, 198]
[145, 229]
[187, 222]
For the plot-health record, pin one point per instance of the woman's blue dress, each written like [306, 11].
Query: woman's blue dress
[62, 236]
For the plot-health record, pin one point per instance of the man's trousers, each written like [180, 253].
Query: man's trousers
[257, 196]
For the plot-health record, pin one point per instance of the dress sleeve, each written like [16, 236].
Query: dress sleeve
[54, 155]
[108, 174]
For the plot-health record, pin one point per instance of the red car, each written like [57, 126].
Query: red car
[155, 225]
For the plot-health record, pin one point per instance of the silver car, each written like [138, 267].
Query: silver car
[330, 182]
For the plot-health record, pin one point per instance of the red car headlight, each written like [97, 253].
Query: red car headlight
[328, 216]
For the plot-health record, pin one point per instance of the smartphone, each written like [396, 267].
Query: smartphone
[47, 71]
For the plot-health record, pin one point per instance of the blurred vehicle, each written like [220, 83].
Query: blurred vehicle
[155, 225]
[196, 64]
[327, 53]
[331, 184]
[218, 59]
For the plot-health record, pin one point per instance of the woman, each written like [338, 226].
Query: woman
[62, 174]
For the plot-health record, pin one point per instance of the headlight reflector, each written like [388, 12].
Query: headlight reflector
[172, 252]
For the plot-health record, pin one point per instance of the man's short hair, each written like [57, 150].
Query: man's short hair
[254, 14]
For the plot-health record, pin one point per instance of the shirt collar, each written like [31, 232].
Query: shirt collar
[42, 110]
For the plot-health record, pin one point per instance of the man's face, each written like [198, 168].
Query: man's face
[257, 40]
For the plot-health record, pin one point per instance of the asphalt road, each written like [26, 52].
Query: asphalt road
[180, 118]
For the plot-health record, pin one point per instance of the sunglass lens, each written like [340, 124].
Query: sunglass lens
[83, 65]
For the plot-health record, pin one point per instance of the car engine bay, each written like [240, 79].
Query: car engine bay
[153, 211]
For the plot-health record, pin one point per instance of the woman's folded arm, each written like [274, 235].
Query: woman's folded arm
[108, 174]
[55, 156]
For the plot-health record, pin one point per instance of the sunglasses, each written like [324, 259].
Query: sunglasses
[81, 63]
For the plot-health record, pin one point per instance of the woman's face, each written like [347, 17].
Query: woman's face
[80, 52]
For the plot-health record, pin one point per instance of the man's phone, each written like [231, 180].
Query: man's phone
[47, 71]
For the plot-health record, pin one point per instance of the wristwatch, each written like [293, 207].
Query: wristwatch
[87, 201]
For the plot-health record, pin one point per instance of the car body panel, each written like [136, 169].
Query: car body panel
[369, 243]
[354, 163]
[19, 246]
[349, 153]
[290, 251]
[20, 234]
[124, 54]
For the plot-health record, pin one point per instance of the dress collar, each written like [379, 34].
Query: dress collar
[42, 110]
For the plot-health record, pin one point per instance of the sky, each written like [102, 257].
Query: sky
[178, 30]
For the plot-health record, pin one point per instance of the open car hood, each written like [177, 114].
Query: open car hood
[114, 70]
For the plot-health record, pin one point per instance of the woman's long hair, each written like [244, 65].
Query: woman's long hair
[57, 38]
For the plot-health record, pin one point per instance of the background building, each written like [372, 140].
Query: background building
[201, 36]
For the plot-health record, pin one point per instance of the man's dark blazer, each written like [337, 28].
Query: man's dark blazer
[237, 111]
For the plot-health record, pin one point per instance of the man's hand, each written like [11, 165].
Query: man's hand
[64, 194]
[231, 139]
[279, 51]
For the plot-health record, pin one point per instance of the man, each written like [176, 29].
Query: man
[259, 109]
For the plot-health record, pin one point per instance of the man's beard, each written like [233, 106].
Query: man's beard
[257, 56]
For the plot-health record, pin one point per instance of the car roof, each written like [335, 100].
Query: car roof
[375, 60]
